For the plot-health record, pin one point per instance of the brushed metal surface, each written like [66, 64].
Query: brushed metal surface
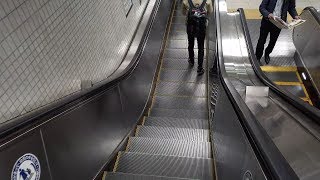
[306, 40]
[170, 166]
[128, 176]
[281, 121]
[173, 133]
[168, 147]
[177, 122]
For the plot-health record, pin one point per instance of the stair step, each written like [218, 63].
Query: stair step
[176, 64]
[181, 89]
[169, 166]
[189, 75]
[173, 133]
[128, 176]
[170, 147]
[179, 113]
[173, 102]
[177, 122]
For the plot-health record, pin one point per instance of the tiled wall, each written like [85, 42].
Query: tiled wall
[48, 46]
[254, 4]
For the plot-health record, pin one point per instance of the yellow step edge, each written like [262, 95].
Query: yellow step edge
[280, 83]
[298, 75]
[279, 68]
[104, 175]
[128, 144]
[143, 120]
[137, 131]
[117, 162]
[305, 91]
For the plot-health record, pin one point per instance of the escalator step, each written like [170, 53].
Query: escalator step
[179, 53]
[173, 102]
[190, 76]
[177, 122]
[178, 27]
[181, 89]
[178, 64]
[178, 35]
[170, 147]
[179, 113]
[173, 133]
[127, 176]
[169, 166]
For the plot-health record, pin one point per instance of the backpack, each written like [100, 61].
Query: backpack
[196, 19]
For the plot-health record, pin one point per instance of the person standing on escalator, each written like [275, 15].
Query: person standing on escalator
[269, 9]
[196, 12]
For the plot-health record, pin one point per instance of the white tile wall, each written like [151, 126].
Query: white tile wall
[254, 4]
[48, 46]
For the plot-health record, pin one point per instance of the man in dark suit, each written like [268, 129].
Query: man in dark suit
[269, 9]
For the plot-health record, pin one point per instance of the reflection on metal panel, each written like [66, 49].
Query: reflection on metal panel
[306, 40]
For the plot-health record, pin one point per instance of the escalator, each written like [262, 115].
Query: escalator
[173, 141]
[292, 124]
[287, 67]
[156, 118]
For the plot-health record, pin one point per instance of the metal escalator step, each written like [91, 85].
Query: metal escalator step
[178, 12]
[181, 89]
[128, 176]
[181, 76]
[179, 64]
[179, 53]
[177, 122]
[178, 35]
[180, 44]
[173, 133]
[178, 27]
[179, 113]
[179, 19]
[173, 102]
[282, 76]
[170, 147]
[297, 91]
[169, 166]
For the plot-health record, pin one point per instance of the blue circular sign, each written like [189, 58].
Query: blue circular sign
[27, 167]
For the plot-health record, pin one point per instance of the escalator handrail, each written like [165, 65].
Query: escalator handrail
[35, 118]
[314, 13]
[307, 109]
[271, 159]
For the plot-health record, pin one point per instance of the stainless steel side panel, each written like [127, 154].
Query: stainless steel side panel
[283, 123]
[306, 38]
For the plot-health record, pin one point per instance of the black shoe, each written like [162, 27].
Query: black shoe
[191, 63]
[267, 59]
[200, 71]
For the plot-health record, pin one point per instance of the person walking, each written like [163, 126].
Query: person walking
[196, 12]
[269, 9]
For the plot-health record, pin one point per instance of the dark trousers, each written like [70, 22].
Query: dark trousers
[200, 40]
[266, 28]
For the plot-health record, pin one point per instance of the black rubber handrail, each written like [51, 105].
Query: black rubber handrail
[314, 12]
[46, 113]
[310, 111]
[271, 159]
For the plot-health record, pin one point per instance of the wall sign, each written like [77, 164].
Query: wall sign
[27, 167]
[127, 4]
